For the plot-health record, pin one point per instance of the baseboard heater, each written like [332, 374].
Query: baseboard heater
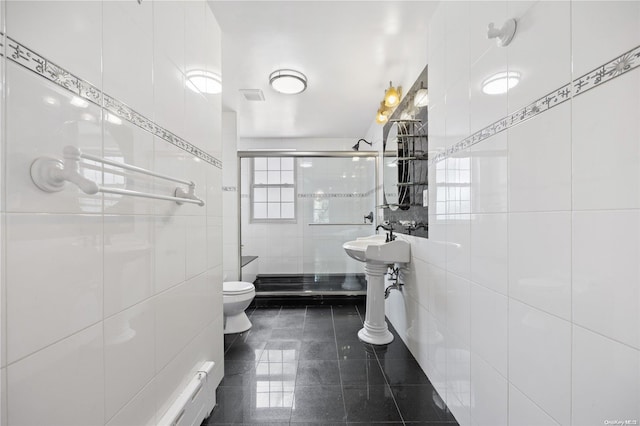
[196, 401]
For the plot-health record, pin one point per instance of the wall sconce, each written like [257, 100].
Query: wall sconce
[392, 96]
[383, 113]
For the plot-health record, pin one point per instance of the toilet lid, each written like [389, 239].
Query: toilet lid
[236, 287]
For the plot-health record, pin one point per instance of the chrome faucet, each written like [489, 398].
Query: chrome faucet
[390, 236]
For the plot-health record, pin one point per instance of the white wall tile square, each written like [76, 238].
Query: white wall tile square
[129, 24]
[615, 368]
[128, 261]
[489, 251]
[540, 73]
[606, 173]
[606, 282]
[54, 272]
[170, 251]
[69, 33]
[540, 260]
[458, 244]
[489, 394]
[458, 307]
[545, 139]
[457, 107]
[489, 174]
[616, 32]
[196, 245]
[456, 42]
[67, 374]
[489, 331]
[129, 341]
[540, 359]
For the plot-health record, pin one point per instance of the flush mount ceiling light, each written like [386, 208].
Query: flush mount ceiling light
[421, 99]
[289, 82]
[204, 82]
[392, 96]
[500, 83]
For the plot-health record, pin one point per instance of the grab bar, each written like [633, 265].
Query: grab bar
[50, 175]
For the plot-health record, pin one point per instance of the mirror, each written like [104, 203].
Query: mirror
[395, 172]
[405, 163]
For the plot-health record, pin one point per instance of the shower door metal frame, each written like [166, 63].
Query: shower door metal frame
[301, 154]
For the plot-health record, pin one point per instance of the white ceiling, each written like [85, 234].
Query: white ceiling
[349, 51]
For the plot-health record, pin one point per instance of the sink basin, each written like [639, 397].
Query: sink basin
[375, 249]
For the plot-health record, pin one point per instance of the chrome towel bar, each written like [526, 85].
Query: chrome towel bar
[50, 174]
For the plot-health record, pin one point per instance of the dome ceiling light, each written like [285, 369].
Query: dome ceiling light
[204, 82]
[289, 82]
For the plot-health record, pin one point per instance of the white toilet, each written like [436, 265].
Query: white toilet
[236, 297]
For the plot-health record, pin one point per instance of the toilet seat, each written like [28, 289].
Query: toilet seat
[237, 287]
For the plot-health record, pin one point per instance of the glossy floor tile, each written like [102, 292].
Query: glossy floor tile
[305, 366]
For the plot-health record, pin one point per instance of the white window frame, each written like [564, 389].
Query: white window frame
[254, 185]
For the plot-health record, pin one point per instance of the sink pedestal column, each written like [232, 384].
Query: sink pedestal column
[375, 329]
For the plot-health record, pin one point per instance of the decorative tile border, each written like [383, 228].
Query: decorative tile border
[607, 72]
[30, 60]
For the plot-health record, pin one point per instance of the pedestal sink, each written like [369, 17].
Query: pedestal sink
[377, 255]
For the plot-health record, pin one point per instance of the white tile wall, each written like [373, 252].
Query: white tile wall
[108, 293]
[606, 177]
[67, 374]
[606, 294]
[541, 270]
[129, 341]
[63, 294]
[545, 139]
[615, 368]
[540, 260]
[540, 74]
[73, 33]
[542, 343]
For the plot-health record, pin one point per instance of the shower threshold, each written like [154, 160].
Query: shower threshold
[310, 285]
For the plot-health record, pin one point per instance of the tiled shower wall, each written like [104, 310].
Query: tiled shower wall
[523, 306]
[109, 303]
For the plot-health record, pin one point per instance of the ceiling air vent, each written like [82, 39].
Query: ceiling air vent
[254, 95]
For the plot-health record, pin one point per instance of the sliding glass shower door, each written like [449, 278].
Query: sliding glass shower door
[297, 211]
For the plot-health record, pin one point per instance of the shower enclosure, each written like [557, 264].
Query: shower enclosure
[297, 209]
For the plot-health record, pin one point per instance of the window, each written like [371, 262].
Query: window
[273, 189]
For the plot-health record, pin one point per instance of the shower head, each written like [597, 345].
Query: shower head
[356, 147]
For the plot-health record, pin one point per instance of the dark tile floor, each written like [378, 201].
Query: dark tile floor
[306, 366]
